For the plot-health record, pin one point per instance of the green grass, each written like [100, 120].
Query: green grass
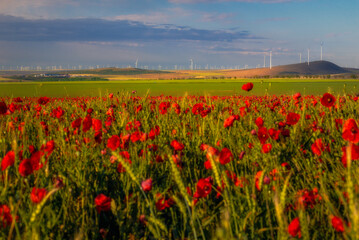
[181, 87]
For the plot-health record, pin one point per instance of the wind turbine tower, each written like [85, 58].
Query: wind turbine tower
[270, 60]
[264, 61]
[321, 51]
[308, 55]
[191, 65]
[136, 63]
[300, 57]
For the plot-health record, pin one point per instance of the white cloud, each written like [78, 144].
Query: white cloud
[156, 17]
[217, 17]
[32, 9]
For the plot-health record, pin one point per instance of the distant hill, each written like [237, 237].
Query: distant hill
[352, 70]
[314, 68]
[320, 68]
[114, 71]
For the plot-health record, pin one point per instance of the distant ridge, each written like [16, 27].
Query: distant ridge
[314, 68]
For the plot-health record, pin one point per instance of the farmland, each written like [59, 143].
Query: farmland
[123, 166]
[223, 87]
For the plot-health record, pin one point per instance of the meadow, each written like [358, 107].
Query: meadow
[123, 165]
[212, 87]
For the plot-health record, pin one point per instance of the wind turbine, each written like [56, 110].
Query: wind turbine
[308, 55]
[270, 60]
[136, 63]
[321, 51]
[264, 61]
[300, 57]
[191, 65]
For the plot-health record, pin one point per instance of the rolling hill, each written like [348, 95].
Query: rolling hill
[314, 68]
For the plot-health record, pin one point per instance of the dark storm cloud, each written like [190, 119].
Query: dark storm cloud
[89, 29]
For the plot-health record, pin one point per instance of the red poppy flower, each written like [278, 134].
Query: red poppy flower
[98, 137]
[37, 194]
[197, 108]
[337, 223]
[237, 182]
[212, 153]
[259, 122]
[354, 150]
[3, 108]
[274, 134]
[318, 147]
[163, 107]
[205, 112]
[43, 100]
[203, 188]
[247, 87]
[114, 142]
[87, 123]
[266, 148]
[136, 136]
[162, 203]
[308, 198]
[351, 131]
[48, 147]
[96, 125]
[154, 132]
[292, 118]
[177, 146]
[328, 100]
[76, 123]
[225, 156]
[25, 168]
[125, 154]
[102, 203]
[58, 112]
[257, 179]
[229, 121]
[8, 160]
[262, 135]
[5, 216]
[294, 228]
[147, 185]
[35, 160]
[297, 96]
[286, 166]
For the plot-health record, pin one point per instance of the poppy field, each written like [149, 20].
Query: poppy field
[123, 166]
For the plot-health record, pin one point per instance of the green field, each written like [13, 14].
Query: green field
[180, 87]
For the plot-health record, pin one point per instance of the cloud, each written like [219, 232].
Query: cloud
[247, 1]
[156, 17]
[22, 7]
[218, 49]
[215, 17]
[102, 30]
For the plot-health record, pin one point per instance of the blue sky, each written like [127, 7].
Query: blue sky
[170, 32]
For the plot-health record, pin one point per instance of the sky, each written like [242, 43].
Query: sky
[168, 33]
